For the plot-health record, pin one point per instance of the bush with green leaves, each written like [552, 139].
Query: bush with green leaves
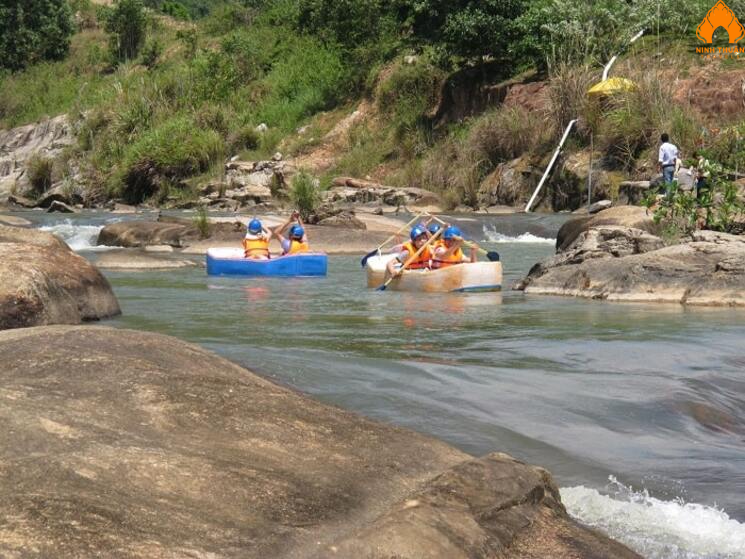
[717, 208]
[126, 22]
[32, 31]
[304, 194]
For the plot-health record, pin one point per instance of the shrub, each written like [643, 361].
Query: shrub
[170, 152]
[245, 137]
[304, 194]
[127, 24]
[39, 169]
[681, 213]
[151, 53]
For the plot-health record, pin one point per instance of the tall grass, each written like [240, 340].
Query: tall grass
[165, 155]
[304, 194]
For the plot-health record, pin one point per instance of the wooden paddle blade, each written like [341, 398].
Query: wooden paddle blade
[493, 256]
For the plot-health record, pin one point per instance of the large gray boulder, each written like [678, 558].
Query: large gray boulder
[43, 282]
[622, 216]
[624, 264]
[125, 444]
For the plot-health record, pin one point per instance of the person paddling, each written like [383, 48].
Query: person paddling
[296, 241]
[450, 251]
[256, 241]
[418, 238]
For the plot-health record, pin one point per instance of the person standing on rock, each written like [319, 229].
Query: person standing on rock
[667, 161]
[297, 241]
[256, 242]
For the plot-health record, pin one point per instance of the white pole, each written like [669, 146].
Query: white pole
[612, 61]
[550, 165]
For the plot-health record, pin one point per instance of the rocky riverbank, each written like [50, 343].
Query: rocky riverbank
[614, 256]
[156, 448]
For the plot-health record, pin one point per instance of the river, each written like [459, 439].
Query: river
[637, 410]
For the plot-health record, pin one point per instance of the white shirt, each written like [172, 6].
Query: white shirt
[668, 154]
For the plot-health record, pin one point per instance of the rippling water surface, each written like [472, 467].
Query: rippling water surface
[638, 410]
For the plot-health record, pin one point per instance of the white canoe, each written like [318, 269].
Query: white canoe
[468, 277]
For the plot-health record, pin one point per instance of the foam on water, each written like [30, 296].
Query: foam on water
[79, 237]
[655, 528]
[493, 236]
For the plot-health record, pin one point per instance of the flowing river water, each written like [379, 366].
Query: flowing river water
[637, 410]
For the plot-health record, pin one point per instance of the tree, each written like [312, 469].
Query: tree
[464, 30]
[32, 31]
[127, 24]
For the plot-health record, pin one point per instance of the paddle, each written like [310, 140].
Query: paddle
[492, 255]
[389, 239]
[411, 259]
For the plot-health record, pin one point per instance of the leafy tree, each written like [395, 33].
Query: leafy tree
[464, 29]
[127, 24]
[176, 10]
[33, 30]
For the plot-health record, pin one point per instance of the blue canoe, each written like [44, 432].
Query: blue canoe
[231, 262]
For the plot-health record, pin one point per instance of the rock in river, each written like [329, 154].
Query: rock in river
[125, 444]
[626, 264]
[622, 216]
[43, 282]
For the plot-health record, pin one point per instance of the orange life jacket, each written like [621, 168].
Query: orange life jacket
[421, 261]
[256, 248]
[296, 247]
[443, 261]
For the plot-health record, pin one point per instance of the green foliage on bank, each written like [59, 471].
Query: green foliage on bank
[189, 81]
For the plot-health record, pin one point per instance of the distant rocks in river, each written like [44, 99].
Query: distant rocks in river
[43, 282]
[620, 263]
[140, 445]
[125, 260]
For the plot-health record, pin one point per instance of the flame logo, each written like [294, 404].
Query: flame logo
[720, 16]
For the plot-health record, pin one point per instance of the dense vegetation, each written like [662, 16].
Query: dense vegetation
[161, 91]
[32, 31]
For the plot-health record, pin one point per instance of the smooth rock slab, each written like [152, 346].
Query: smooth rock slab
[125, 444]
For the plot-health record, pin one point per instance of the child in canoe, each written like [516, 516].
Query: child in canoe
[449, 250]
[256, 241]
[418, 237]
[297, 241]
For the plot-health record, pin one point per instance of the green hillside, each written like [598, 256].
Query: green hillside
[162, 94]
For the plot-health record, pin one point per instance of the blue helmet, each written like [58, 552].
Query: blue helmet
[417, 232]
[254, 226]
[433, 228]
[451, 232]
[297, 232]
